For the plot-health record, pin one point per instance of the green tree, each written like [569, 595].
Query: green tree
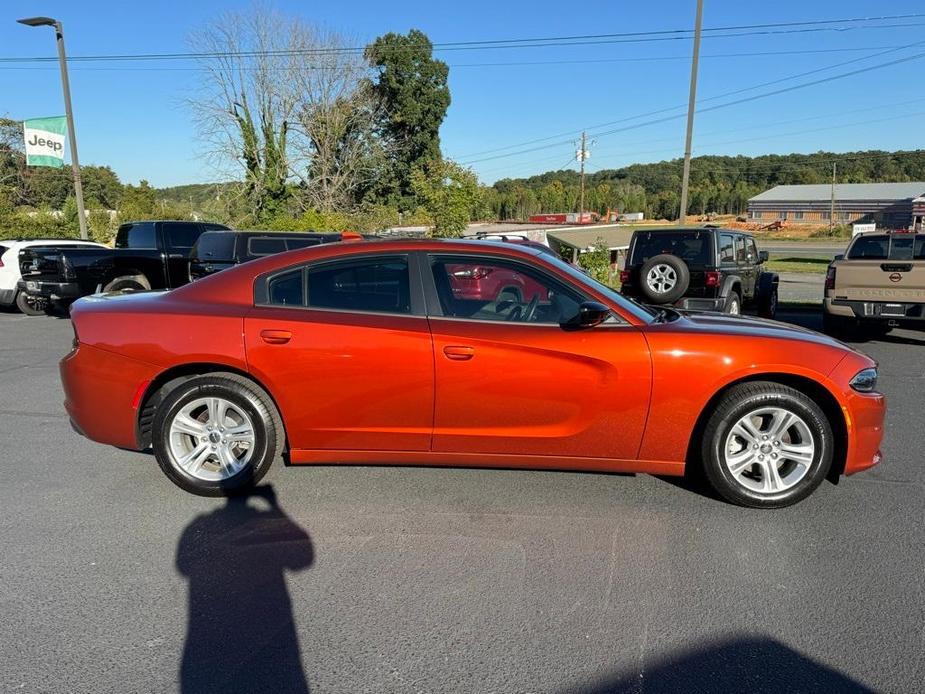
[412, 90]
[449, 194]
[597, 261]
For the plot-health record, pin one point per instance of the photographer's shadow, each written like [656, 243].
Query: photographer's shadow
[241, 634]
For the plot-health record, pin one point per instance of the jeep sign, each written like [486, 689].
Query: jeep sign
[45, 141]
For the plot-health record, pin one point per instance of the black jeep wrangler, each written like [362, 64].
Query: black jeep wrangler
[707, 269]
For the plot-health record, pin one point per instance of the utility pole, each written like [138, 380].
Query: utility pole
[692, 99]
[832, 208]
[582, 155]
[72, 135]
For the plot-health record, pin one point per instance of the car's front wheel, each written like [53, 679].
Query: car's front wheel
[217, 434]
[766, 445]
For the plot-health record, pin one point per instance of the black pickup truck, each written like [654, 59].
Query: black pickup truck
[147, 255]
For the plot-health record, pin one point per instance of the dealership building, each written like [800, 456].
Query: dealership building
[888, 205]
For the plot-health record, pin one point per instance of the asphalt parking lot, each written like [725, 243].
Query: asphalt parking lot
[365, 579]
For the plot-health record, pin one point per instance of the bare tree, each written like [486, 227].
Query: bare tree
[243, 108]
[285, 103]
[335, 151]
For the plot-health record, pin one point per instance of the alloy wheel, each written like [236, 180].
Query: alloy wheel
[211, 439]
[662, 278]
[769, 450]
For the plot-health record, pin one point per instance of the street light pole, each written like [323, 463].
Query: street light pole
[68, 112]
[692, 100]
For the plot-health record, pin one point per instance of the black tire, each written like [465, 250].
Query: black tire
[137, 283]
[733, 304]
[767, 305]
[735, 405]
[242, 393]
[682, 281]
[30, 306]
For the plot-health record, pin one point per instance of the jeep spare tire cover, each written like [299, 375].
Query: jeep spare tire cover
[663, 279]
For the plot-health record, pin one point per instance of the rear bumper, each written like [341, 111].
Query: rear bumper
[55, 291]
[693, 304]
[7, 296]
[877, 310]
[101, 392]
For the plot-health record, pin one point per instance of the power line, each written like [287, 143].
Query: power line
[737, 102]
[846, 24]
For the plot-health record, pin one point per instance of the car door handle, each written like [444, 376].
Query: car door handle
[458, 353]
[276, 337]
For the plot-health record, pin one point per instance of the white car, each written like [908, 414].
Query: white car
[10, 273]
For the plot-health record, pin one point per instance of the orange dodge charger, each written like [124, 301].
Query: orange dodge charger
[364, 353]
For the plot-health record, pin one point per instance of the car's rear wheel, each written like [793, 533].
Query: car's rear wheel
[217, 434]
[30, 305]
[766, 445]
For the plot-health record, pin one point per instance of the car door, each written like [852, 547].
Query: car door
[345, 348]
[511, 380]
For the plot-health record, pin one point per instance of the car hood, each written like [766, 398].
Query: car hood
[746, 326]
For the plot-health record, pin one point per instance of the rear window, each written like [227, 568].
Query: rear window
[695, 247]
[888, 247]
[138, 235]
[265, 245]
[4, 249]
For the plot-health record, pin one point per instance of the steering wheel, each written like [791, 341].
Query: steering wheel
[530, 311]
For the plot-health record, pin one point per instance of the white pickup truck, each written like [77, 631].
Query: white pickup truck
[877, 285]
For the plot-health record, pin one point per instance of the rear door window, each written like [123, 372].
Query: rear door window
[181, 236]
[740, 250]
[378, 284]
[726, 248]
[215, 246]
[140, 235]
[287, 289]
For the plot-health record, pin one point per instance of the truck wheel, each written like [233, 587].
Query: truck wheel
[663, 279]
[135, 283]
[733, 305]
[31, 306]
[766, 445]
[767, 306]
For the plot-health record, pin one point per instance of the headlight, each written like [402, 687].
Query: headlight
[865, 381]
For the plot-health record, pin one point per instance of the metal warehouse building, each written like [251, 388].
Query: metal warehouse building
[889, 205]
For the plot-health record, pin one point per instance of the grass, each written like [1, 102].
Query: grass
[809, 265]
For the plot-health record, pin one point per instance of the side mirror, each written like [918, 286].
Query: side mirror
[763, 256]
[590, 313]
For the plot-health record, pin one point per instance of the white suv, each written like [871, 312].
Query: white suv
[10, 273]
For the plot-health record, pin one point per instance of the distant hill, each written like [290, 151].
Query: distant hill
[198, 193]
[718, 184]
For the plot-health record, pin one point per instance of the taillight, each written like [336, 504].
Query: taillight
[624, 276]
[473, 273]
[711, 278]
[830, 278]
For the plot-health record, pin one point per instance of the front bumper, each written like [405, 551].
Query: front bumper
[55, 291]
[864, 415]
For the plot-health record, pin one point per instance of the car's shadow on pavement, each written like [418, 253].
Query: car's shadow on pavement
[757, 665]
[241, 634]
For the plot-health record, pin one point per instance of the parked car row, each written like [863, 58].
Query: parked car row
[146, 255]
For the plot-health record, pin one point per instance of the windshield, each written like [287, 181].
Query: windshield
[888, 247]
[641, 312]
[694, 247]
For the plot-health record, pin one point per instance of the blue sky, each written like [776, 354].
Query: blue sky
[135, 119]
